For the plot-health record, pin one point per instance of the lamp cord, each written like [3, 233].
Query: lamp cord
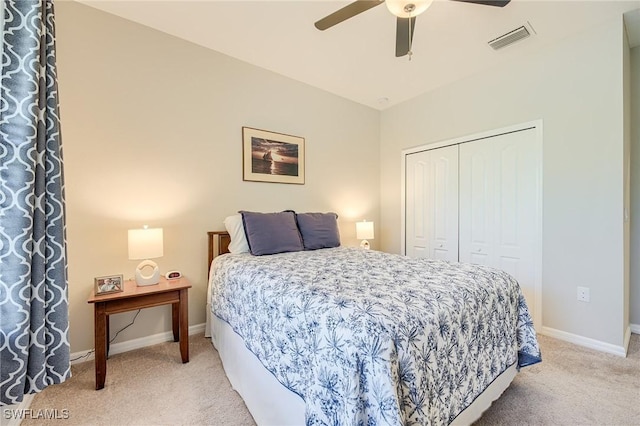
[110, 341]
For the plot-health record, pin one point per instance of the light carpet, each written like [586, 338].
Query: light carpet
[150, 386]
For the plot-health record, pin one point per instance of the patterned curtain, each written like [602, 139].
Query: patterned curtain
[34, 326]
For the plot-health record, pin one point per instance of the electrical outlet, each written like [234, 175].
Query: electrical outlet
[583, 294]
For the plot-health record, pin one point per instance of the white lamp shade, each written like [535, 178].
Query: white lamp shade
[145, 243]
[407, 8]
[364, 230]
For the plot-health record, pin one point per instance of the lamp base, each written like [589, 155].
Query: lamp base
[364, 244]
[153, 278]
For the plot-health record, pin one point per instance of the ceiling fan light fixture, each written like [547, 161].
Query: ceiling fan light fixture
[407, 8]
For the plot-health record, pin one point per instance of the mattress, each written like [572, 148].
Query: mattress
[367, 337]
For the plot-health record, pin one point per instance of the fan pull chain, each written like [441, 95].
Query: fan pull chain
[410, 53]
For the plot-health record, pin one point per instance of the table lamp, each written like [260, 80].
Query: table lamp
[146, 244]
[364, 231]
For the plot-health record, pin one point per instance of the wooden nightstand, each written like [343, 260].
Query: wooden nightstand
[174, 292]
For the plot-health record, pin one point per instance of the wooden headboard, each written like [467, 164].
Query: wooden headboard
[218, 244]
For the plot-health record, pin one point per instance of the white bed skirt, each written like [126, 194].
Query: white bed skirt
[272, 404]
[268, 401]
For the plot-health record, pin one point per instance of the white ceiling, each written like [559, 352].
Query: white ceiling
[356, 59]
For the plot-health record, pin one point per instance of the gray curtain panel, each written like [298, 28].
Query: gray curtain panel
[34, 324]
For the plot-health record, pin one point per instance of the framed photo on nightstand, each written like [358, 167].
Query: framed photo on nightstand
[109, 284]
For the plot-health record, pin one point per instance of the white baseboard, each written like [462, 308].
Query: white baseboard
[635, 328]
[129, 345]
[588, 342]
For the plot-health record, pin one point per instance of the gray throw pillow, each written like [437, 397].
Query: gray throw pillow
[271, 233]
[318, 230]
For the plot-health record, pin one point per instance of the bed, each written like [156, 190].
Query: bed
[350, 336]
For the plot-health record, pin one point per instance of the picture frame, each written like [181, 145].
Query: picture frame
[272, 157]
[109, 284]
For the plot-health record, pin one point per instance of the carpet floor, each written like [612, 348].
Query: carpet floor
[150, 386]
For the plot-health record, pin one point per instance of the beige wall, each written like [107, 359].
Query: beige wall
[151, 130]
[576, 88]
[626, 177]
[635, 186]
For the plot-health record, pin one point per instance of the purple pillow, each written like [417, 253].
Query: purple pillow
[318, 230]
[271, 233]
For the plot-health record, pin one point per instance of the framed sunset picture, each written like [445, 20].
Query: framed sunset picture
[272, 157]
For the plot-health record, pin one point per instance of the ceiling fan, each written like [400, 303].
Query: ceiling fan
[405, 10]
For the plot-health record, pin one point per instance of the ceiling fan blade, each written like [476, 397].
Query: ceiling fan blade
[349, 11]
[403, 44]
[498, 3]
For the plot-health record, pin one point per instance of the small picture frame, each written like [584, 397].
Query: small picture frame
[109, 284]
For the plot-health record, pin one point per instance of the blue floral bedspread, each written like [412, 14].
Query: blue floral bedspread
[370, 338]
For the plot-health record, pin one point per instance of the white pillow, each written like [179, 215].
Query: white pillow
[235, 228]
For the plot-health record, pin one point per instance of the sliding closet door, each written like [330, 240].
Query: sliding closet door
[431, 209]
[499, 204]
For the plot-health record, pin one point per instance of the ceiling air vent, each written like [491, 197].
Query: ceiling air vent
[509, 38]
